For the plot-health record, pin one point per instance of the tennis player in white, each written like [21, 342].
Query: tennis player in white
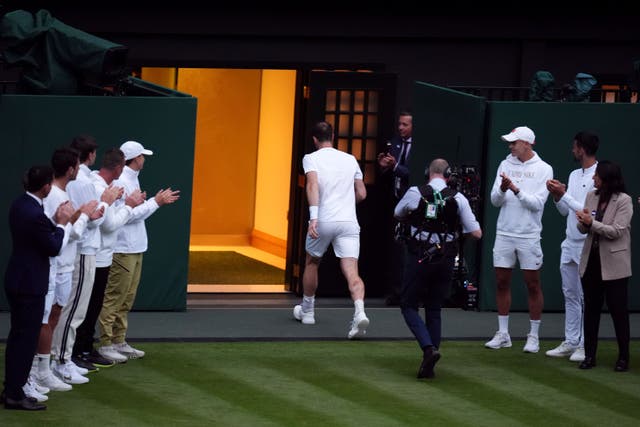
[334, 186]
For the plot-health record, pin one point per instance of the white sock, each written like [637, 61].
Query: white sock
[34, 365]
[308, 302]
[503, 324]
[44, 364]
[535, 326]
[359, 305]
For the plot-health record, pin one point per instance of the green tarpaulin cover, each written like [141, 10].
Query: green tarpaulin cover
[55, 56]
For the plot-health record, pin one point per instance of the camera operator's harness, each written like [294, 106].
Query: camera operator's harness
[437, 213]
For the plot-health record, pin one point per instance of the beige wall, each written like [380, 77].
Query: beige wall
[242, 165]
[274, 152]
[226, 149]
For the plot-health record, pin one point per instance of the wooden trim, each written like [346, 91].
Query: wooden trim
[269, 243]
[236, 289]
[219, 240]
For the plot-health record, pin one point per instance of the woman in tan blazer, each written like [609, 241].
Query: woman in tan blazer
[605, 265]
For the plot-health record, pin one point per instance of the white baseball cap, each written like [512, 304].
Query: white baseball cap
[133, 149]
[521, 133]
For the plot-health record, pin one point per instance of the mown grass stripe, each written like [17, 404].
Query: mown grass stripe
[242, 391]
[536, 377]
[397, 376]
[343, 383]
[358, 400]
[336, 409]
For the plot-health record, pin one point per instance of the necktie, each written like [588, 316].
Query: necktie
[405, 153]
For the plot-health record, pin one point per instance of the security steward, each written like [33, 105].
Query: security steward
[437, 215]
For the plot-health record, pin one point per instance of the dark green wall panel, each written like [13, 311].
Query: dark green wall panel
[31, 127]
[450, 125]
[466, 130]
[446, 124]
[555, 124]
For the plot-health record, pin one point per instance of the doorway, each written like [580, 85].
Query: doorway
[242, 173]
[248, 187]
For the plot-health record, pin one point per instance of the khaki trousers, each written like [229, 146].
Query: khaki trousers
[122, 286]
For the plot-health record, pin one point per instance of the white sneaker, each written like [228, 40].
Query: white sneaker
[499, 340]
[39, 388]
[532, 345]
[563, 350]
[80, 370]
[52, 382]
[128, 351]
[359, 326]
[306, 317]
[68, 374]
[109, 352]
[578, 355]
[30, 390]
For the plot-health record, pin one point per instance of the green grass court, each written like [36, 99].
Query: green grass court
[344, 383]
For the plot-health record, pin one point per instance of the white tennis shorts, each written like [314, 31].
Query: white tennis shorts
[527, 252]
[343, 235]
[57, 294]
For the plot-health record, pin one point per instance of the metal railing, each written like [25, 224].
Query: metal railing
[506, 93]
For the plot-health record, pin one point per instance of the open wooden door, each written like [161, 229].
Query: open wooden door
[361, 107]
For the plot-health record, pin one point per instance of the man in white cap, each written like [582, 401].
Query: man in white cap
[520, 191]
[125, 270]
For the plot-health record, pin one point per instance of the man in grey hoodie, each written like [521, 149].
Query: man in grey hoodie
[520, 191]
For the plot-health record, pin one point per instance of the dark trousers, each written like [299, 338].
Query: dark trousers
[87, 329]
[595, 292]
[22, 342]
[427, 283]
[396, 269]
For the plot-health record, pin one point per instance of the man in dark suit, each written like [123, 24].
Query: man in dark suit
[35, 238]
[393, 164]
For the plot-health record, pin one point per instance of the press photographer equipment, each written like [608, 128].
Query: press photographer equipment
[464, 293]
[466, 180]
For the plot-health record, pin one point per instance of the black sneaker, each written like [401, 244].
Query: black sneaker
[82, 362]
[95, 358]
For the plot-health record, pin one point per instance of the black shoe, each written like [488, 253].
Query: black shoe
[26, 404]
[82, 362]
[621, 365]
[99, 361]
[3, 397]
[429, 361]
[587, 363]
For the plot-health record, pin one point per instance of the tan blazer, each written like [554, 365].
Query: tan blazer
[615, 236]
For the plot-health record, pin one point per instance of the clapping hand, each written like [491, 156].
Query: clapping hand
[556, 188]
[136, 198]
[111, 194]
[584, 217]
[63, 213]
[507, 184]
[386, 161]
[168, 196]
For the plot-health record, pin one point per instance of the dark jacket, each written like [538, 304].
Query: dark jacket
[35, 239]
[401, 171]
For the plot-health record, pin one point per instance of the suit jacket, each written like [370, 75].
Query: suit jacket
[401, 171]
[35, 239]
[615, 236]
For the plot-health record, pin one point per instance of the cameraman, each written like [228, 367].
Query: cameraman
[431, 258]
